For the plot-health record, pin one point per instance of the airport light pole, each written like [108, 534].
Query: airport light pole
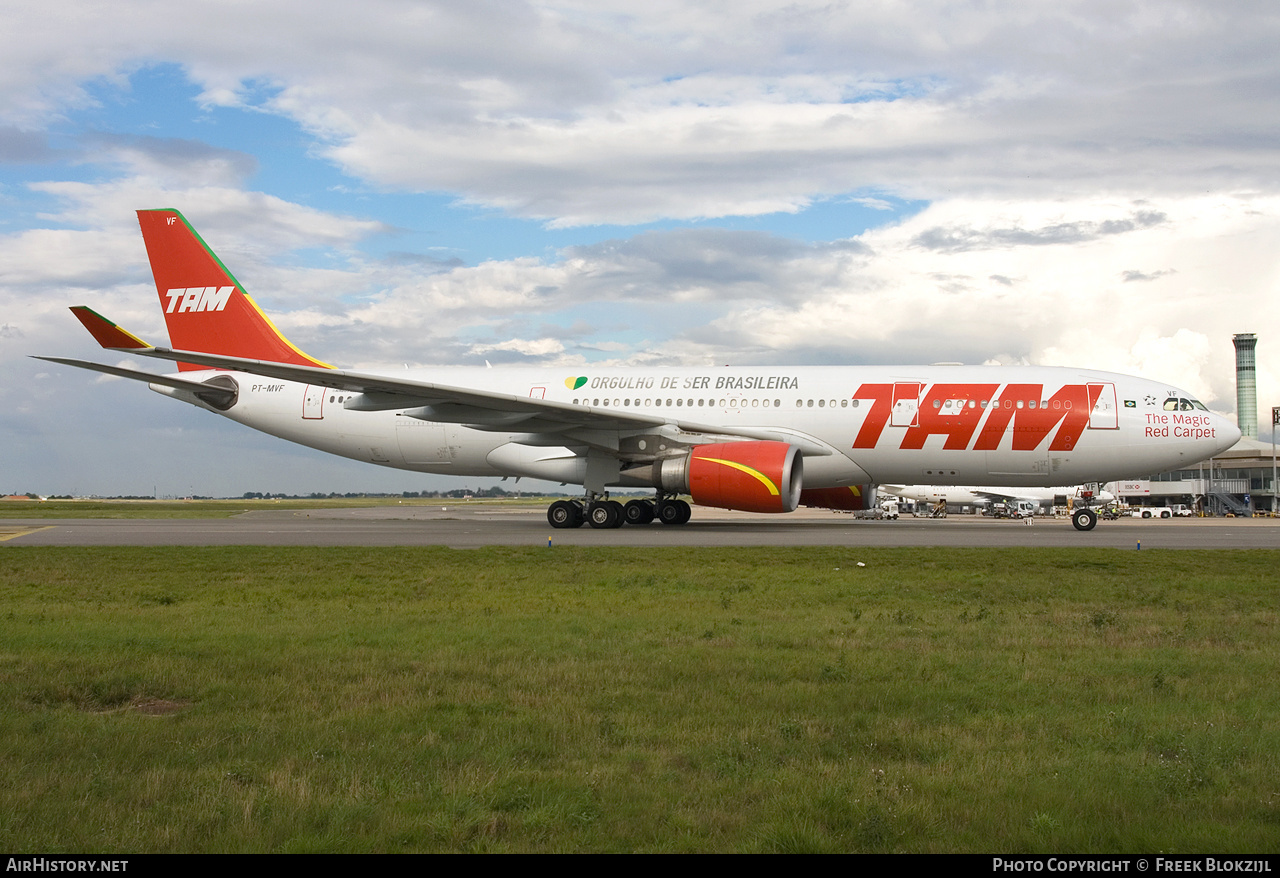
[1275, 421]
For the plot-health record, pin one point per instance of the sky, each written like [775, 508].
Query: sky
[588, 182]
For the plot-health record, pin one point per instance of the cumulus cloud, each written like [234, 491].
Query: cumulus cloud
[17, 146]
[173, 161]
[581, 113]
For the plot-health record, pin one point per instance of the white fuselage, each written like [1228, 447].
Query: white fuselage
[981, 495]
[936, 425]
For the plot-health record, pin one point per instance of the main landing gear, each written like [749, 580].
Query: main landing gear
[601, 512]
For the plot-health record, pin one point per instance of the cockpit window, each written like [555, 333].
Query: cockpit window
[1182, 404]
[1171, 404]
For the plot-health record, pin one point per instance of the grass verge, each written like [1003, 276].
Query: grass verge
[506, 699]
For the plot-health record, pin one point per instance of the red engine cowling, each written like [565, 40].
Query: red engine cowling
[751, 476]
[850, 499]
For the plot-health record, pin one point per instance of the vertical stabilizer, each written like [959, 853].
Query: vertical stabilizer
[205, 308]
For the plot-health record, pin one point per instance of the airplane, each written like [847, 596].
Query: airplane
[971, 495]
[759, 439]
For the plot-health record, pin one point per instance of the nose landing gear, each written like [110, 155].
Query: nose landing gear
[1083, 518]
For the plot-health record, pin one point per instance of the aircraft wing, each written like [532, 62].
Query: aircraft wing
[998, 497]
[541, 421]
[538, 422]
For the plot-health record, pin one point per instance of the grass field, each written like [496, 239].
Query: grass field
[424, 699]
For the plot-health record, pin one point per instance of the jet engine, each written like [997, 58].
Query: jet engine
[751, 476]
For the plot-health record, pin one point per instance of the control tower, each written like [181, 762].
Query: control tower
[1246, 384]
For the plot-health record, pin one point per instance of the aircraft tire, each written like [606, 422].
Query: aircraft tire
[668, 512]
[674, 512]
[621, 512]
[638, 512]
[564, 514]
[605, 515]
[1084, 519]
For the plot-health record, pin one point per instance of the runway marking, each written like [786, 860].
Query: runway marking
[9, 534]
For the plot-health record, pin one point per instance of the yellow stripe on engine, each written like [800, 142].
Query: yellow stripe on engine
[755, 474]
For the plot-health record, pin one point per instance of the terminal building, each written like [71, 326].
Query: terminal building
[1240, 481]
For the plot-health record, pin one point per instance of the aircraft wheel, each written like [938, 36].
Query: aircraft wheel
[564, 513]
[674, 512]
[621, 513]
[606, 514]
[638, 512]
[1084, 519]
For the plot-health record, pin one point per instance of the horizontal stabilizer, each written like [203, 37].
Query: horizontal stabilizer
[105, 332]
[217, 395]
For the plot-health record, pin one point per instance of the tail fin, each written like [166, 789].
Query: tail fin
[205, 308]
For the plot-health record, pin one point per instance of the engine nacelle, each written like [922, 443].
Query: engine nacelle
[750, 476]
[850, 499]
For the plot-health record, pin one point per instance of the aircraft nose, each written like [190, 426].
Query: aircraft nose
[1224, 435]
[1230, 432]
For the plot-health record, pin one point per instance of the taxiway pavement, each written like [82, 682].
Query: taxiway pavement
[471, 526]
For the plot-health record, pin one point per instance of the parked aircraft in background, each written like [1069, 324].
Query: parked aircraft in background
[761, 439]
[969, 495]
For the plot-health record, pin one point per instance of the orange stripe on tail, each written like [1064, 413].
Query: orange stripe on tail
[205, 308]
